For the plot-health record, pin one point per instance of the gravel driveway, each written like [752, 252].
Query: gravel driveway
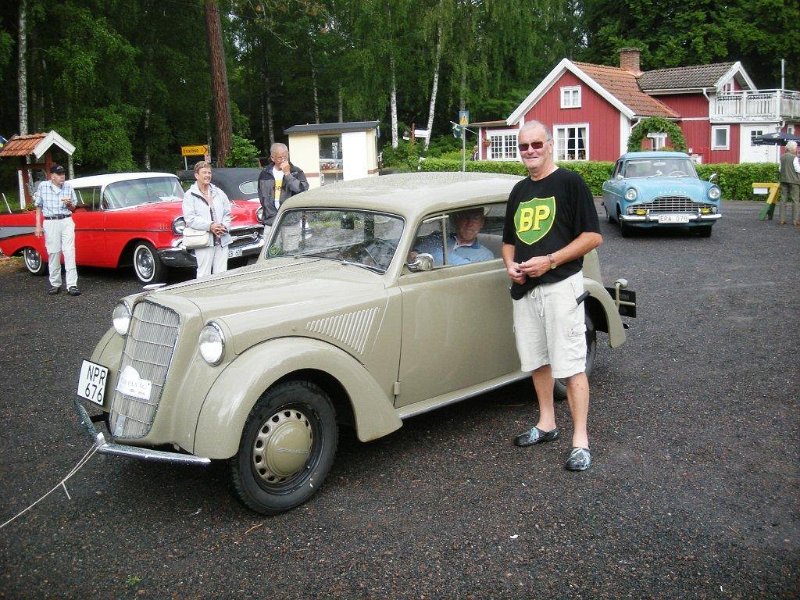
[694, 491]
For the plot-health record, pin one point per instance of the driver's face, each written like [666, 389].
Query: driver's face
[468, 227]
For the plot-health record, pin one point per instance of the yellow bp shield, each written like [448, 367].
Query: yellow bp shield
[534, 219]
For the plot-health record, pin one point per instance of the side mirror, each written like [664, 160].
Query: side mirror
[423, 262]
[713, 178]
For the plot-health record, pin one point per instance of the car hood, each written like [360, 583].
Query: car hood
[676, 186]
[279, 297]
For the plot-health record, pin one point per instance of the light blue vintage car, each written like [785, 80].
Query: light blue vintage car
[660, 189]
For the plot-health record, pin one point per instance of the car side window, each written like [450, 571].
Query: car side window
[89, 197]
[462, 237]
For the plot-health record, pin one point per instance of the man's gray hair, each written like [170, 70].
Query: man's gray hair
[537, 125]
[791, 146]
[278, 146]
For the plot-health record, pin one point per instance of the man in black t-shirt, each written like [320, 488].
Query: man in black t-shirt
[550, 225]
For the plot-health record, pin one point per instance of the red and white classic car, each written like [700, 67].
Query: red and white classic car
[127, 219]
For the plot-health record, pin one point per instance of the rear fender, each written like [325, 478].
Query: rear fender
[604, 312]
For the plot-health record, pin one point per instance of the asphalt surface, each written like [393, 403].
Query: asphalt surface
[694, 491]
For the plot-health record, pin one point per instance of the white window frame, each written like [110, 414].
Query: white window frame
[719, 128]
[658, 140]
[502, 145]
[571, 96]
[561, 138]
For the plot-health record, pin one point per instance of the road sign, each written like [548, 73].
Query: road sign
[194, 150]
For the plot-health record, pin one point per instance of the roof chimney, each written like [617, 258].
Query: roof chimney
[629, 60]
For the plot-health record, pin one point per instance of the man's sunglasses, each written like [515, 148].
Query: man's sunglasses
[533, 145]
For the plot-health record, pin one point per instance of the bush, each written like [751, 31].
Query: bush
[736, 181]
[404, 157]
[243, 153]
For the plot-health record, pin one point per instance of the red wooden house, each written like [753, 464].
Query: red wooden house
[592, 110]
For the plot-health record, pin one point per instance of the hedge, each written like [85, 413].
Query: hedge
[736, 181]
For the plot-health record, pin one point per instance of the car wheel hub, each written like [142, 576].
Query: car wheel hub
[144, 263]
[33, 259]
[282, 446]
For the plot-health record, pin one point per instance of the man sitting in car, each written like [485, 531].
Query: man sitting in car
[462, 245]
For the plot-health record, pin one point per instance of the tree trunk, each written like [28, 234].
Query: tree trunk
[341, 104]
[22, 73]
[146, 136]
[393, 103]
[314, 86]
[219, 82]
[435, 87]
[270, 119]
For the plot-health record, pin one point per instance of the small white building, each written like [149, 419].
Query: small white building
[329, 152]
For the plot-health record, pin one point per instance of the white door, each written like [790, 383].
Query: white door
[748, 153]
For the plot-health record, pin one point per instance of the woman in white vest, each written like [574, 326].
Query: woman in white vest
[207, 208]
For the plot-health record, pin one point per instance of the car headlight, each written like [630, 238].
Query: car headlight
[178, 225]
[260, 215]
[121, 317]
[631, 194]
[212, 344]
[714, 193]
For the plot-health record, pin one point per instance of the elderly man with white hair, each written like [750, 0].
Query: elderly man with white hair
[790, 183]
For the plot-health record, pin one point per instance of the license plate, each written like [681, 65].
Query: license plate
[673, 218]
[234, 252]
[93, 381]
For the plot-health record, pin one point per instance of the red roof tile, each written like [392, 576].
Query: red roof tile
[624, 86]
[21, 145]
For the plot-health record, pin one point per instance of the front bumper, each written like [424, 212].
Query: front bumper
[670, 218]
[104, 447]
[181, 257]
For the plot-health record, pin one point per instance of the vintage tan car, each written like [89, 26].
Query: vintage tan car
[356, 314]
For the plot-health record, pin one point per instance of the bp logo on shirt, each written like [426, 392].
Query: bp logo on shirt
[534, 219]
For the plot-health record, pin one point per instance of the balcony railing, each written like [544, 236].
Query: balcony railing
[760, 105]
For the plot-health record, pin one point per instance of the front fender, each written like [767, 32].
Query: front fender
[235, 392]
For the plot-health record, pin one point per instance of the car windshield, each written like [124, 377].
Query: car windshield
[660, 167]
[363, 238]
[132, 192]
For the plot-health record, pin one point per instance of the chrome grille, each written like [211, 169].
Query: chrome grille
[673, 204]
[148, 350]
[245, 236]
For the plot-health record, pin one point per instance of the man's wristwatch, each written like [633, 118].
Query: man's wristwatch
[553, 264]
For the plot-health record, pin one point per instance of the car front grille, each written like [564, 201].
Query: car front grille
[673, 204]
[246, 236]
[148, 351]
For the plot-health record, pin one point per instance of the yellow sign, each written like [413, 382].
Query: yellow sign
[194, 150]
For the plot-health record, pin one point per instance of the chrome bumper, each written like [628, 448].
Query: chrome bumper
[181, 257]
[693, 218]
[104, 447]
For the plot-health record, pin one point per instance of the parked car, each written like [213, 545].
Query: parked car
[238, 183]
[339, 322]
[660, 189]
[128, 219]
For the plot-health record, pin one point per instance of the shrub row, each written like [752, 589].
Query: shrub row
[736, 181]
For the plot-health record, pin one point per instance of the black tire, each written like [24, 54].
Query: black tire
[625, 230]
[146, 264]
[560, 386]
[34, 262]
[704, 231]
[287, 448]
